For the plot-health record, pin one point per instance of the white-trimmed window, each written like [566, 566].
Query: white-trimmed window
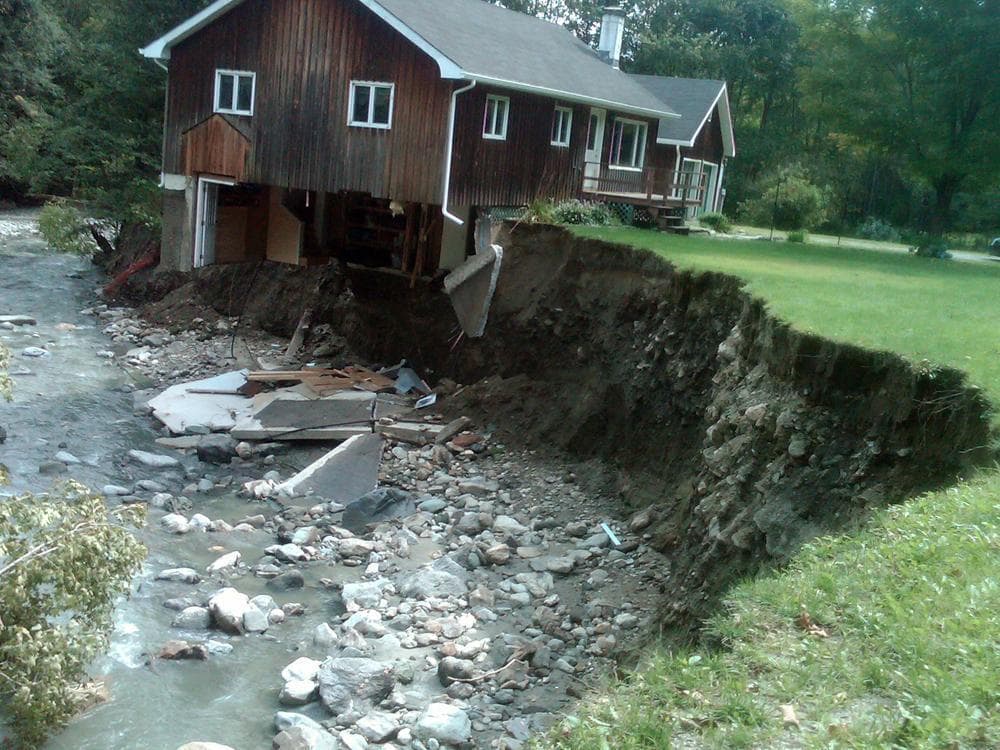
[495, 117]
[562, 126]
[371, 104]
[235, 91]
[628, 144]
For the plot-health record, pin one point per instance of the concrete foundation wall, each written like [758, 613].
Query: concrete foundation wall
[453, 239]
[177, 245]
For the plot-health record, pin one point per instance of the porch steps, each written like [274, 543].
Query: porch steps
[670, 219]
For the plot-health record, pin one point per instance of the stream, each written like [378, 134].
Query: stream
[77, 401]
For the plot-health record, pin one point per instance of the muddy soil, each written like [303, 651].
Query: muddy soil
[667, 390]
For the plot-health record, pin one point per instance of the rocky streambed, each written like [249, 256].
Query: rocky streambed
[474, 619]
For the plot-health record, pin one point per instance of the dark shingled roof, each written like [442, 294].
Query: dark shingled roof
[691, 98]
[488, 41]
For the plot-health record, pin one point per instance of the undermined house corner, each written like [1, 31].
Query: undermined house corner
[676, 390]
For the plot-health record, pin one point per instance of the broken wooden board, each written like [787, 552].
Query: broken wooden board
[343, 475]
[184, 410]
[417, 433]
[327, 381]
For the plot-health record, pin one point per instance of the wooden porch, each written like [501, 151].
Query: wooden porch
[650, 187]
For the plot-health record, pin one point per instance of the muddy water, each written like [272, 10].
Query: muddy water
[76, 401]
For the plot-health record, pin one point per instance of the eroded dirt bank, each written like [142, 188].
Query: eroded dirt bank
[675, 389]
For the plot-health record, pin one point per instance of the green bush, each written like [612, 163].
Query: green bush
[800, 204]
[65, 229]
[715, 220]
[63, 561]
[796, 235]
[583, 212]
[931, 247]
[873, 228]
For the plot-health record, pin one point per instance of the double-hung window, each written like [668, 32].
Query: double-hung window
[562, 125]
[495, 117]
[371, 104]
[235, 92]
[628, 144]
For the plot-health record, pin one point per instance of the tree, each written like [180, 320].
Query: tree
[63, 561]
[915, 81]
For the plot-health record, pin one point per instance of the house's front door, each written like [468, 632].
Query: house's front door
[595, 145]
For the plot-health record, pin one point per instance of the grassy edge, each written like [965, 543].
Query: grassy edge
[883, 639]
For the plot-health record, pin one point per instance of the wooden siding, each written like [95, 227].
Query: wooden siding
[708, 145]
[215, 147]
[305, 54]
[523, 167]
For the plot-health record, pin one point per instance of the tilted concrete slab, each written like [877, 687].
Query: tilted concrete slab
[344, 474]
[471, 287]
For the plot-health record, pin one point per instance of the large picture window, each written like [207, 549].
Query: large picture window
[628, 144]
[562, 125]
[495, 117]
[234, 92]
[371, 104]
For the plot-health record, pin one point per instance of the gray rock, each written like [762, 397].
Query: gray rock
[444, 577]
[560, 565]
[366, 594]
[153, 460]
[298, 693]
[67, 458]
[451, 669]
[508, 525]
[445, 723]
[114, 490]
[596, 540]
[287, 581]
[175, 523]
[287, 719]
[352, 740]
[354, 684]
[478, 486]
[302, 668]
[377, 727]
[35, 352]
[51, 468]
[179, 575]
[798, 447]
[229, 560]
[377, 506]
[433, 505]
[228, 606]
[255, 621]
[288, 552]
[324, 636]
[216, 448]
[193, 618]
[305, 738]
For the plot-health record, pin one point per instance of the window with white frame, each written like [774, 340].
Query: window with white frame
[628, 144]
[371, 104]
[495, 117]
[562, 125]
[235, 92]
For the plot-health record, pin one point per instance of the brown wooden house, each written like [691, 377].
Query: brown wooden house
[377, 131]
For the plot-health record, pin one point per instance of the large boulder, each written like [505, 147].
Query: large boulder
[377, 506]
[442, 578]
[354, 684]
[228, 606]
[447, 724]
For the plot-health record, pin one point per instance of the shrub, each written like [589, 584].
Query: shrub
[63, 561]
[932, 247]
[800, 203]
[583, 212]
[873, 228]
[715, 220]
[796, 235]
[65, 229]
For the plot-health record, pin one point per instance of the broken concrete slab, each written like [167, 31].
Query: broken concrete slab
[471, 287]
[417, 433]
[344, 474]
[288, 415]
[182, 442]
[185, 410]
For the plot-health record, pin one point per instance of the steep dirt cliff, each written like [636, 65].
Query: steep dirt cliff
[677, 390]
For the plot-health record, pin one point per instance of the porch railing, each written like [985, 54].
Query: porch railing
[651, 185]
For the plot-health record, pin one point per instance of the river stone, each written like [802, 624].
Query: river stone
[181, 650]
[155, 460]
[377, 727]
[433, 505]
[204, 746]
[291, 579]
[478, 486]
[229, 560]
[193, 618]
[114, 490]
[451, 669]
[508, 525]
[352, 740]
[378, 505]
[175, 523]
[445, 723]
[287, 552]
[18, 320]
[304, 738]
[297, 693]
[51, 468]
[255, 621]
[324, 636]
[228, 606]
[366, 594]
[216, 449]
[179, 575]
[354, 684]
[302, 668]
[35, 351]
[444, 577]
[67, 458]
[287, 719]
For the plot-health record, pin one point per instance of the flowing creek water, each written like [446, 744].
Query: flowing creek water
[550, 600]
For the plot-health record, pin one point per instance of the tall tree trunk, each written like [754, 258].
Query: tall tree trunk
[945, 188]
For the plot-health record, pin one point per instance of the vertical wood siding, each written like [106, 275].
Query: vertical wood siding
[305, 54]
[708, 145]
[523, 167]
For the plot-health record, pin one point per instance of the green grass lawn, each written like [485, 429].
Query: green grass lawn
[889, 638]
[945, 312]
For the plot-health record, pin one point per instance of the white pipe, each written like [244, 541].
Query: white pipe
[448, 154]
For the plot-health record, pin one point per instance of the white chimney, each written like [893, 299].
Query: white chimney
[612, 34]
